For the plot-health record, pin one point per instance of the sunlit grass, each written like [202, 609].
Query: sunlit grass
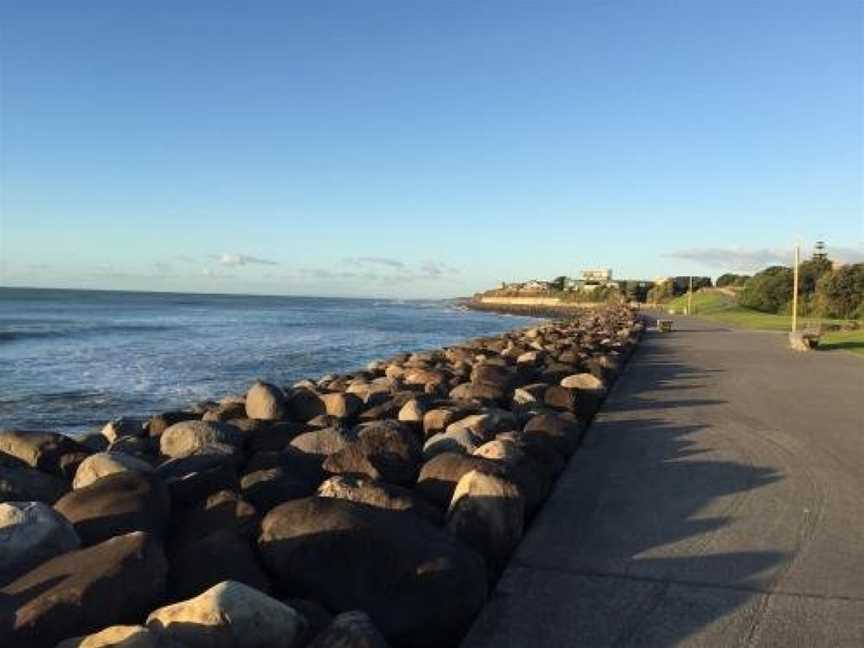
[720, 307]
[849, 340]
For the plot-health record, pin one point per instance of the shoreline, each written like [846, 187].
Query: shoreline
[194, 348]
[314, 499]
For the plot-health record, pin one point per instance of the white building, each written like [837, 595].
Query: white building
[597, 276]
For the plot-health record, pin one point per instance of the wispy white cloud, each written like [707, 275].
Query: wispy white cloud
[213, 273]
[235, 260]
[733, 258]
[384, 262]
[847, 254]
[436, 269]
[370, 270]
[752, 259]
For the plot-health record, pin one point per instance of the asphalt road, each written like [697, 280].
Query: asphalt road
[718, 500]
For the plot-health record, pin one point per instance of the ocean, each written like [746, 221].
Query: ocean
[71, 360]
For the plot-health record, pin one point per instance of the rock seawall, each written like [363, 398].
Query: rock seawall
[370, 508]
[546, 307]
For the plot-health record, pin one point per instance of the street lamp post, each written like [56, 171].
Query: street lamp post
[795, 289]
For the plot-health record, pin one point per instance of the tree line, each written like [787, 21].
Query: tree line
[823, 290]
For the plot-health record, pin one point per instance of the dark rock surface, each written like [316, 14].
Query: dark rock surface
[352, 556]
[115, 505]
[115, 582]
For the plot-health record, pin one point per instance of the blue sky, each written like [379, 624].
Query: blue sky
[422, 149]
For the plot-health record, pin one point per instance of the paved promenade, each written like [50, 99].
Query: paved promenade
[717, 501]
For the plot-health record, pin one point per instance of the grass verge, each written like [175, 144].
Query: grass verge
[719, 307]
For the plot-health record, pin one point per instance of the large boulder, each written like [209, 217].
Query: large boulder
[297, 462]
[119, 636]
[123, 427]
[228, 615]
[605, 367]
[195, 477]
[305, 404]
[31, 533]
[49, 452]
[226, 411]
[437, 419]
[350, 630]
[323, 442]
[560, 398]
[94, 441]
[265, 401]
[488, 514]
[103, 464]
[269, 487]
[341, 405]
[585, 381]
[386, 409]
[316, 615]
[351, 556]
[223, 509]
[516, 465]
[272, 436]
[386, 450]
[502, 376]
[439, 476]
[461, 440]
[539, 449]
[219, 556]
[24, 484]
[377, 493]
[530, 394]
[560, 430]
[413, 411]
[161, 422]
[485, 425]
[423, 377]
[588, 393]
[188, 437]
[115, 505]
[115, 582]
[481, 392]
[500, 450]
[144, 448]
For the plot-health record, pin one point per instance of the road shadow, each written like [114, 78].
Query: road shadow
[623, 551]
[850, 345]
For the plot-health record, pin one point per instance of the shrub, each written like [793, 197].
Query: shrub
[769, 290]
[661, 292]
[841, 293]
[731, 279]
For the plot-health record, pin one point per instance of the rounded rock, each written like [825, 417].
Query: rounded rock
[84, 591]
[119, 636]
[31, 533]
[351, 556]
[265, 401]
[185, 438]
[228, 615]
[103, 464]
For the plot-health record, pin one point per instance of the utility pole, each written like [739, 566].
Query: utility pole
[690, 297]
[795, 289]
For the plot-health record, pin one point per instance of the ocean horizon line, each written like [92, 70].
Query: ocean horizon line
[234, 294]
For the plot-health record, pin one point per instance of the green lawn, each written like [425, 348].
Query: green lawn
[849, 340]
[717, 306]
